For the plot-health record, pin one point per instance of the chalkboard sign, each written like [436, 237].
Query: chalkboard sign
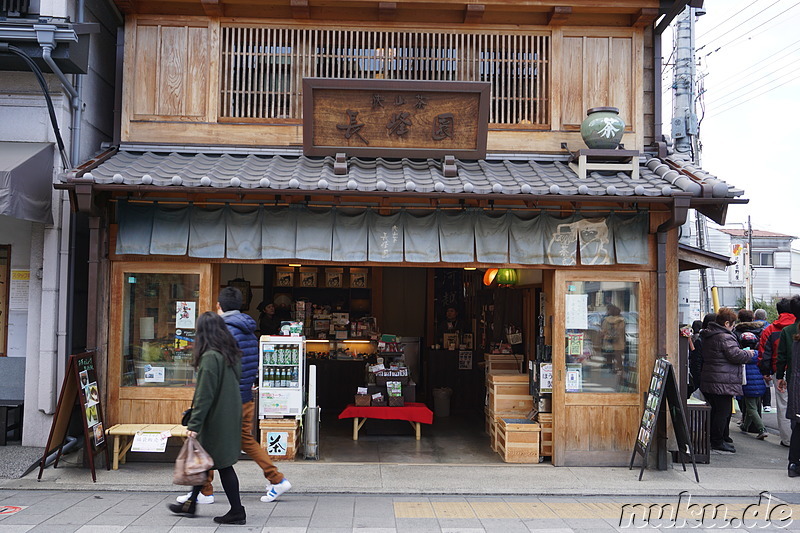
[663, 385]
[80, 393]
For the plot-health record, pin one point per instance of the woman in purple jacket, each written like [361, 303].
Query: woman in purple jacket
[722, 375]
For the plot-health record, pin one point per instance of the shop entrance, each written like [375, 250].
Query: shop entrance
[445, 320]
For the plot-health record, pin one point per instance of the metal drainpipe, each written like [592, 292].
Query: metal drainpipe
[680, 210]
[46, 41]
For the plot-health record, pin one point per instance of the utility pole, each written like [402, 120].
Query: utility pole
[748, 267]
[684, 128]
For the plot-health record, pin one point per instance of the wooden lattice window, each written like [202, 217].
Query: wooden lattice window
[263, 67]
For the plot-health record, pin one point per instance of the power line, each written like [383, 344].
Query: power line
[752, 29]
[754, 96]
[718, 26]
[751, 88]
[759, 64]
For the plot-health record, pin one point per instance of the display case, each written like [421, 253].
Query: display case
[281, 376]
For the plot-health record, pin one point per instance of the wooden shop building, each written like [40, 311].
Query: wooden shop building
[280, 143]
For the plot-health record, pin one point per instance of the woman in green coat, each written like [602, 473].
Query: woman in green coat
[216, 418]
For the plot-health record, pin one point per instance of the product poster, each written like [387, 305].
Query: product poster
[575, 344]
[92, 394]
[465, 360]
[277, 442]
[577, 311]
[99, 435]
[153, 374]
[91, 416]
[84, 378]
[545, 377]
[574, 377]
[186, 315]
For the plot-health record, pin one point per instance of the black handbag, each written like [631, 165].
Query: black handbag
[187, 415]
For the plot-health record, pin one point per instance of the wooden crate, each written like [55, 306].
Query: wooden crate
[518, 440]
[492, 419]
[509, 393]
[280, 425]
[503, 362]
[546, 441]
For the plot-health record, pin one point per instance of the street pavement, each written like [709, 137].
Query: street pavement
[387, 497]
[67, 511]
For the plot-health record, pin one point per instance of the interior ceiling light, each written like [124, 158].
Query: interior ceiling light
[295, 265]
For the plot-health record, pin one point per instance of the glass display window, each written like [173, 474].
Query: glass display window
[153, 325]
[601, 336]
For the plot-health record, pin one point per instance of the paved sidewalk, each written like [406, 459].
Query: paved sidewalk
[138, 512]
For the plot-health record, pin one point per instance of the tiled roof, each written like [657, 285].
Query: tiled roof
[756, 233]
[282, 172]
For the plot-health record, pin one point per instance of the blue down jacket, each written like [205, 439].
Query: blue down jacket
[755, 387]
[242, 327]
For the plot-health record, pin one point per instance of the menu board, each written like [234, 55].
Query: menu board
[80, 394]
[663, 385]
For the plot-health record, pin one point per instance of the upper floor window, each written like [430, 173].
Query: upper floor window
[763, 259]
[263, 67]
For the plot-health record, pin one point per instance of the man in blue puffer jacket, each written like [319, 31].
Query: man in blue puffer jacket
[754, 389]
[242, 327]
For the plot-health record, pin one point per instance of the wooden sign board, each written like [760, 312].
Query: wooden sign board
[79, 393]
[663, 385]
[395, 118]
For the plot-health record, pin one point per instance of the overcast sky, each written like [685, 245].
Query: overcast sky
[748, 55]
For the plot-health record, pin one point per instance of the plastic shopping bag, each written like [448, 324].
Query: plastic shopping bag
[192, 464]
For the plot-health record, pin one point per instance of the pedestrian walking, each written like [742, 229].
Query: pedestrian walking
[788, 374]
[242, 327]
[721, 377]
[753, 389]
[768, 354]
[760, 317]
[216, 412]
[696, 353]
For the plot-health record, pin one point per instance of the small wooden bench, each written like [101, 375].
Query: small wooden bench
[123, 437]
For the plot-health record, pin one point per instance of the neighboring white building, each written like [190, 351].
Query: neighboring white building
[772, 261]
[42, 275]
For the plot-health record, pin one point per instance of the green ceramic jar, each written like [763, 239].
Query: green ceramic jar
[602, 128]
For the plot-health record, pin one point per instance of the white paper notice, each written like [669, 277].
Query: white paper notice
[153, 374]
[545, 377]
[185, 315]
[18, 291]
[149, 442]
[577, 311]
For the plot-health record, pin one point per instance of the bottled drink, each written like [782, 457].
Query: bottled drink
[283, 377]
[294, 377]
[271, 377]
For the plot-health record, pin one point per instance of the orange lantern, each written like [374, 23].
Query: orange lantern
[489, 276]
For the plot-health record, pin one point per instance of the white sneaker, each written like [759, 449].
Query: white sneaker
[201, 498]
[767, 409]
[276, 490]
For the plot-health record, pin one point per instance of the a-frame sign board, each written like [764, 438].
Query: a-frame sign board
[80, 389]
[663, 385]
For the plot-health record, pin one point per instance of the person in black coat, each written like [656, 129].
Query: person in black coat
[696, 355]
[721, 377]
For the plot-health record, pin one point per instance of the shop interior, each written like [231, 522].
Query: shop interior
[445, 319]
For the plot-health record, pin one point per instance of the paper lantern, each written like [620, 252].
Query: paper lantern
[507, 276]
[489, 276]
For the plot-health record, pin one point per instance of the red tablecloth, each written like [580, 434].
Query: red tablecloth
[413, 412]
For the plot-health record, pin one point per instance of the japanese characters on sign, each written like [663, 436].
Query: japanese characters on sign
[389, 118]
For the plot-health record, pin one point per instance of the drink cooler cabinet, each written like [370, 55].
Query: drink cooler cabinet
[281, 379]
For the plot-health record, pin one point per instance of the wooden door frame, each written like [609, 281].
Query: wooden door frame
[116, 392]
[646, 350]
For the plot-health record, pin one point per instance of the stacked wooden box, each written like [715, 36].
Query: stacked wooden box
[546, 440]
[280, 425]
[518, 440]
[507, 398]
[503, 362]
